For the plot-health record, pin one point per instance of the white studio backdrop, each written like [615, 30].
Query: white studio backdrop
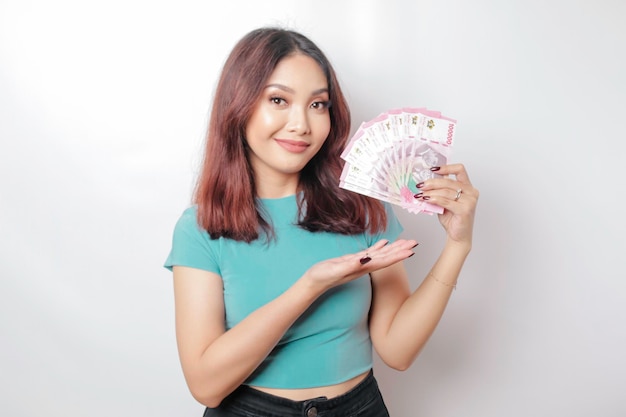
[103, 107]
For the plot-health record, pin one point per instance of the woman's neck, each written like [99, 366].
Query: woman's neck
[276, 187]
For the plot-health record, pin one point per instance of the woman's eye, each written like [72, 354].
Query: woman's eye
[321, 105]
[277, 100]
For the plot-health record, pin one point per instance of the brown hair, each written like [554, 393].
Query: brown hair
[225, 193]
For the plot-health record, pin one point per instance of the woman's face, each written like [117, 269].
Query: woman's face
[290, 121]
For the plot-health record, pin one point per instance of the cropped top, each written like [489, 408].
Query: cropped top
[329, 343]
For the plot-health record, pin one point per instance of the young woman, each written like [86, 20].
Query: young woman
[283, 281]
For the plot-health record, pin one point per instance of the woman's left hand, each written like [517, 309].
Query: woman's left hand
[455, 193]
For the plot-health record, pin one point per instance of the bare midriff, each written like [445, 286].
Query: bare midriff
[329, 391]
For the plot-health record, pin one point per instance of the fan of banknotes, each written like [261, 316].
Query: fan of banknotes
[389, 155]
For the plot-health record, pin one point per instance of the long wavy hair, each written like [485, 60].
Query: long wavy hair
[225, 192]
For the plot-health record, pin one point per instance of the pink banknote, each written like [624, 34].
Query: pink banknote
[388, 155]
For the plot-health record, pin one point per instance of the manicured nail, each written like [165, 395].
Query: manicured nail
[365, 260]
[412, 254]
[414, 246]
[426, 197]
[418, 195]
[435, 168]
[420, 185]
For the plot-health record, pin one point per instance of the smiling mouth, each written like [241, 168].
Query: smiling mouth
[294, 146]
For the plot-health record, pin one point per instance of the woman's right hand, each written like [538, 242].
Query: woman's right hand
[336, 271]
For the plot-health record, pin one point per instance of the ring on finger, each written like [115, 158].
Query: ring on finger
[458, 194]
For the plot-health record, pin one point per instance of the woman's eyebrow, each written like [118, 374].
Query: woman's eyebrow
[292, 91]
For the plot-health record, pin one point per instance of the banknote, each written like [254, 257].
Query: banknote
[389, 155]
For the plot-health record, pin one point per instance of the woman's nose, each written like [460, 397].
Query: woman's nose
[298, 122]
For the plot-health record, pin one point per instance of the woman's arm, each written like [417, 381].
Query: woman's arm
[216, 361]
[400, 322]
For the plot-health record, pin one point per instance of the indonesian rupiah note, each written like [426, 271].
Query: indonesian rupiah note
[389, 155]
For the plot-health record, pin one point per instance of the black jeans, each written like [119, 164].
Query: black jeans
[364, 400]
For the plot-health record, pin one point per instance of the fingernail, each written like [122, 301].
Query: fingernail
[418, 195]
[412, 254]
[426, 197]
[365, 260]
[420, 185]
[435, 168]
[414, 246]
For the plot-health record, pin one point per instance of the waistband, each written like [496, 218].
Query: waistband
[249, 399]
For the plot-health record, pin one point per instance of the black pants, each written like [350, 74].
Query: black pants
[364, 400]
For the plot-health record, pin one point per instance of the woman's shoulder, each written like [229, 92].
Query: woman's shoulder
[191, 245]
[188, 219]
[191, 211]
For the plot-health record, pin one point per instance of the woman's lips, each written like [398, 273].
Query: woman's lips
[295, 146]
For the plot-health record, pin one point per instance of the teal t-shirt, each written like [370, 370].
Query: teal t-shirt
[330, 342]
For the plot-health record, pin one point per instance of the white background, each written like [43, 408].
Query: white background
[103, 107]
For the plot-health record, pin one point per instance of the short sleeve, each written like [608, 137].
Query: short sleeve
[394, 227]
[192, 246]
